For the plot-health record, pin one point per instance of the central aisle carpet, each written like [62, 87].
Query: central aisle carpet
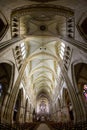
[43, 126]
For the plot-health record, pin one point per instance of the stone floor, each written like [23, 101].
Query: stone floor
[43, 126]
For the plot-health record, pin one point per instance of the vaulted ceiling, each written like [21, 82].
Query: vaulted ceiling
[41, 23]
[39, 26]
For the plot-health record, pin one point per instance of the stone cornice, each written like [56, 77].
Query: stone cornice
[59, 10]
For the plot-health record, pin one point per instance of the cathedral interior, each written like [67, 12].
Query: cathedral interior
[43, 64]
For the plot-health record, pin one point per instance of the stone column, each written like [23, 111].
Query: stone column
[59, 116]
[65, 112]
[21, 114]
[27, 116]
[77, 108]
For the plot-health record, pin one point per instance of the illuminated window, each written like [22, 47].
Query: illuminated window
[63, 45]
[22, 44]
[62, 50]
[42, 107]
[23, 50]
[85, 90]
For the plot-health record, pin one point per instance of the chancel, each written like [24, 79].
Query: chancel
[43, 64]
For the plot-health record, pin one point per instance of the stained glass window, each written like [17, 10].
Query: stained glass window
[85, 90]
[0, 89]
[42, 107]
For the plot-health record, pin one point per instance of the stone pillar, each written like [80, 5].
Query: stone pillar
[27, 116]
[65, 114]
[30, 120]
[21, 115]
[59, 116]
[14, 93]
[77, 107]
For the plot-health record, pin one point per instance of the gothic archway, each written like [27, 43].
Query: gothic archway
[6, 77]
[67, 106]
[18, 105]
[81, 80]
[79, 77]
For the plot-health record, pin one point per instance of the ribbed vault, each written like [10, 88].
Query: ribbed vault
[43, 63]
[39, 25]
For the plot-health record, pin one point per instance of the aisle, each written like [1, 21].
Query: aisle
[43, 126]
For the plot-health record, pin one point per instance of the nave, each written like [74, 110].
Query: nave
[43, 64]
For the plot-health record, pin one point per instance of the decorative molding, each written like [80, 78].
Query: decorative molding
[75, 43]
[5, 45]
[41, 17]
[59, 10]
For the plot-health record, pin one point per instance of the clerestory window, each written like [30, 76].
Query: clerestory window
[62, 50]
[23, 50]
